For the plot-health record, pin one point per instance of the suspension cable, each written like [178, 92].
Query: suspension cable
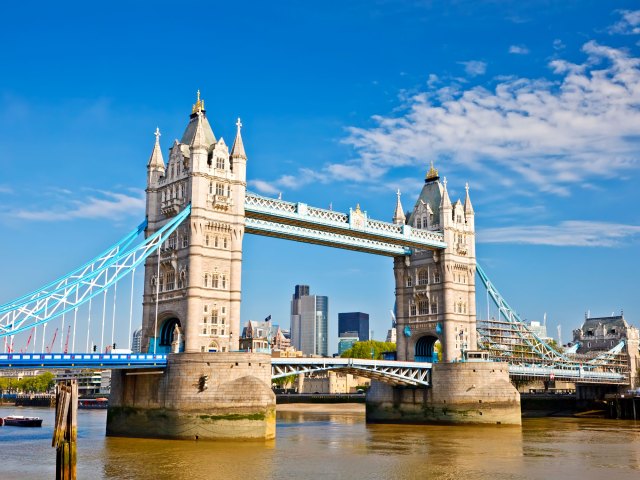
[155, 329]
[133, 276]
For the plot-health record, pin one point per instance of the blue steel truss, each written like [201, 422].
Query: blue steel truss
[415, 374]
[511, 341]
[73, 290]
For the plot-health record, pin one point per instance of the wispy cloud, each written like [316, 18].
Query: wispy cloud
[629, 24]
[518, 50]
[100, 205]
[565, 234]
[5, 189]
[550, 134]
[474, 67]
[264, 187]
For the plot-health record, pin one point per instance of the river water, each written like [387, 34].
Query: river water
[318, 445]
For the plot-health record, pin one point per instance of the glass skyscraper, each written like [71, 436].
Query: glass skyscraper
[354, 322]
[309, 322]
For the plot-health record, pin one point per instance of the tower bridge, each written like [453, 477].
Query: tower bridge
[197, 213]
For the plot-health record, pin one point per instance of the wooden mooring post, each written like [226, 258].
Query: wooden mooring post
[65, 432]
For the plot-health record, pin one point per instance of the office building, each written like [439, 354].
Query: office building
[309, 322]
[354, 322]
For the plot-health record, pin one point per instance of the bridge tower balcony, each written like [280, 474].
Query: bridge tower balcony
[172, 206]
[219, 202]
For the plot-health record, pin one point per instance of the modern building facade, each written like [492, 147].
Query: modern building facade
[345, 343]
[309, 322]
[354, 322]
[136, 341]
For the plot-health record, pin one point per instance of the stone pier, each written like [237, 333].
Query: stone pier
[198, 396]
[461, 393]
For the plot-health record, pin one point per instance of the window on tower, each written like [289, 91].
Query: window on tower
[409, 281]
[423, 277]
[220, 163]
[220, 189]
[423, 307]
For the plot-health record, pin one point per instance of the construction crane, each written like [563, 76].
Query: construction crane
[66, 343]
[50, 347]
[28, 341]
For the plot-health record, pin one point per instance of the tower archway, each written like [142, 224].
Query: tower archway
[426, 349]
[167, 333]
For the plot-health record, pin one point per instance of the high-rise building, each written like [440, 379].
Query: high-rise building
[309, 322]
[136, 341]
[354, 322]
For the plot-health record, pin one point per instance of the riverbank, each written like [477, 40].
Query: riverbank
[333, 408]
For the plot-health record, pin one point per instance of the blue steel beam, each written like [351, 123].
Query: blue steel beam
[81, 361]
[319, 237]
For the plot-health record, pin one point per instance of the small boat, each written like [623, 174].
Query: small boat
[20, 421]
[93, 403]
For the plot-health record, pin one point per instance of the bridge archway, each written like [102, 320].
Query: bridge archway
[426, 349]
[167, 334]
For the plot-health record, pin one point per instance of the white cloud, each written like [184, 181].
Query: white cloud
[102, 205]
[629, 24]
[565, 234]
[549, 134]
[5, 189]
[474, 67]
[518, 50]
[264, 187]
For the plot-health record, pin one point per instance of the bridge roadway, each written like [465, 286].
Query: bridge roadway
[389, 371]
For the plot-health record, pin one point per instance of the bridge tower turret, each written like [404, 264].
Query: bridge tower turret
[196, 285]
[435, 290]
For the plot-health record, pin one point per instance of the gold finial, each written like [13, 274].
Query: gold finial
[357, 208]
[199, 105]
[432, 173]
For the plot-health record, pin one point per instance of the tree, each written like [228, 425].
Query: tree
[371, 349]
[284, 382]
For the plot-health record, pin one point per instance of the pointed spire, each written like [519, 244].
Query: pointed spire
[202, 132]
[156, 162]
[468, 208]
[398, 215]
[237, 151]
[446, 201]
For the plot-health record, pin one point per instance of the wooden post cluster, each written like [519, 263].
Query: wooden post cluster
[65, 432]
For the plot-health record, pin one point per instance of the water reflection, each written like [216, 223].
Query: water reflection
[335, 445]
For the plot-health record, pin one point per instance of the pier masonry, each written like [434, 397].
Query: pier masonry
[199, 396]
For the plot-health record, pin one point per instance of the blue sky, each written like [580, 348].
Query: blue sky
[535, 104]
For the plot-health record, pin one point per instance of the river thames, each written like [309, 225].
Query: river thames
[332, 445]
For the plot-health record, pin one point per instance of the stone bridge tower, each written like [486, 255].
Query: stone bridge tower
[435, 290]
[196, 286]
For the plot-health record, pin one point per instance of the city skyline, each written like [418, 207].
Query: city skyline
[534, 107]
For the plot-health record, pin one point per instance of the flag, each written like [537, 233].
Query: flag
[268, 319]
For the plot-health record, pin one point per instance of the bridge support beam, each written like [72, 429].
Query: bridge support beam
[464, 393]
[206, 396]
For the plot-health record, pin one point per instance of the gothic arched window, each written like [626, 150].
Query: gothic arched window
[423, 277]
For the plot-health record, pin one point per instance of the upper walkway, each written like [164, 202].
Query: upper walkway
[352, 231]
